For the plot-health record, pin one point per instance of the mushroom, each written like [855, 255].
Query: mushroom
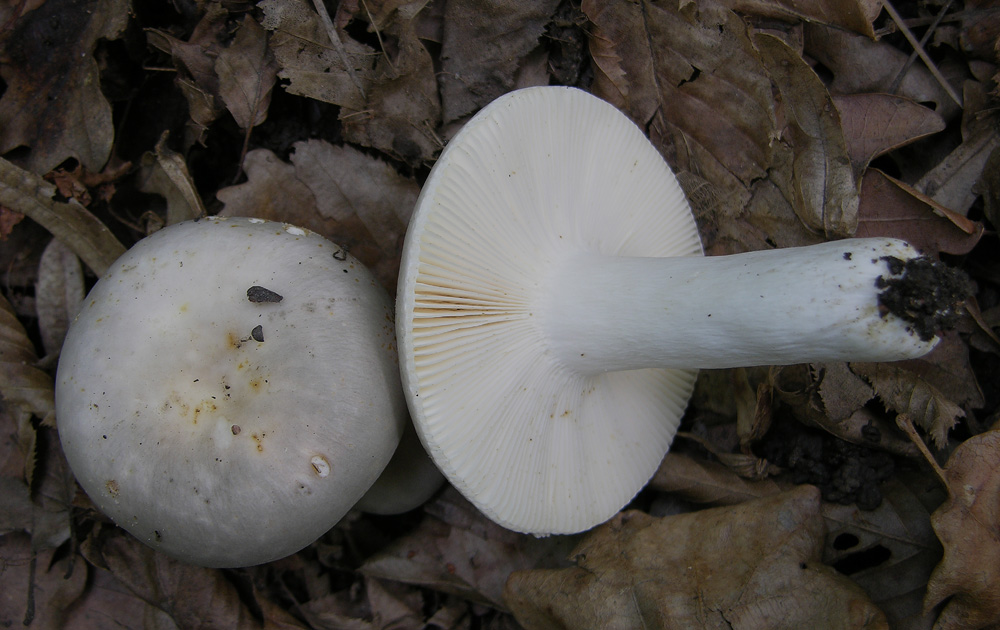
[409, 481]
[554, 303]
[230, 389]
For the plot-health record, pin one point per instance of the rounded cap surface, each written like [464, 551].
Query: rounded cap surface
[230, 389]
[537, 177]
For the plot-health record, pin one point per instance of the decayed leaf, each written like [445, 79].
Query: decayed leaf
[193, 597]
[247, 71]
[889, 551]
[754, 565]
[58, 293]
[458, 550]
[823, 185]
[968, 525]
[485, 42]
[403, 107]
[874, 124]
[906, 393]
[107, 604]
[357, 201]
[68, 221]
[854, 15]
[891, 208]
[164, 172]
[22, 385]
[194, 58]
[389, 98]
[39, 596]
[693, 79]
[53, 102]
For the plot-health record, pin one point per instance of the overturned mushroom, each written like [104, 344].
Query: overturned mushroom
[230, 390]
[553, 304]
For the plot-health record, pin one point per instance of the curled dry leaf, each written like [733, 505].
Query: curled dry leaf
[754, 565]
[823, 185]
[165, 173]
[968, 525]
[906, 393]
[952, 182]
[53, 103]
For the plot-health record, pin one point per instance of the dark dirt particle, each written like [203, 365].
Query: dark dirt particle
[928, 294]
[258, 334]
[257, 294]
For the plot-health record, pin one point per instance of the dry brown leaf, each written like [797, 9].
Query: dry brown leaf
[968, 525]
[823, 185]
[754, 565]
[458, 550]
[359, 202]
[58, 293]
[860, 64]
[40, 596]
[53, 103]
[874, 124]
[308, 60]
[68, 221]
[690, 75]
[908, 394]
[247, 72]
[485, 43]
[891, 208]
[192, 596]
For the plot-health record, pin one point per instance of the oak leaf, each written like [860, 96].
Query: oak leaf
[756, 564]
[968, 525]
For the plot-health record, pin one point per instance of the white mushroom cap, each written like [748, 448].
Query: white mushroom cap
[230, 390]
[550, 275]
[536, 447]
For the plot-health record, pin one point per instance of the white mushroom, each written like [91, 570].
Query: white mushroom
[230, 389]
[553, 302]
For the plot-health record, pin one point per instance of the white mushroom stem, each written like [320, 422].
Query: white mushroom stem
[776, 307]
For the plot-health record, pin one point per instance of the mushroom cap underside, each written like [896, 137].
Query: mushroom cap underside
[230, 389]
[538, 176]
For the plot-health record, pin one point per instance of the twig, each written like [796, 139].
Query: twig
[898, 19]
[896, 82]
[904, 422]
[338, 45]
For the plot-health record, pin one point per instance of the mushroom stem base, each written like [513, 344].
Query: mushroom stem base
[775, 307]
